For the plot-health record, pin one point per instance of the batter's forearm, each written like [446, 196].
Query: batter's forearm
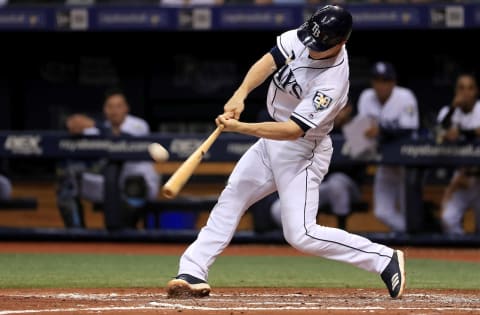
[256, 75]
[271, 130]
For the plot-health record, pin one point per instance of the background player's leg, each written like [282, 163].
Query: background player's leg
[475, 204]
[298, 189]
[476, 207]
[5, 188]
[387, 187]
[139, 182]
[276, 212]
[453, 211]
[325, 192]
[92, 187]
[67, 194]
[342, 190]
[264, 220]
[250, 181]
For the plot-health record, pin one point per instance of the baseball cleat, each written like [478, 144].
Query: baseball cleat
[394, 275]
[185, 286]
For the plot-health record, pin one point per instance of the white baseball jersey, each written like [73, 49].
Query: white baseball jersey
[462, 120]
[310, 92]
[399, 111]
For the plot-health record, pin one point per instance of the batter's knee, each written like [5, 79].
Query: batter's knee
[305, 242]
[297, 238]
[294, 239]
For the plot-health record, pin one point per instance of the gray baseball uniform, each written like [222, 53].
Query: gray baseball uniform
[93, 184]
[399, 111]
[462, 199]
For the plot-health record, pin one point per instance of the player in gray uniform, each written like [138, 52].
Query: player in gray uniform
[79, 180]
[461, 121]
[309, 87]
[394, 113]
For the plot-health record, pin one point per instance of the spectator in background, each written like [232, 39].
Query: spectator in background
[460, 121]
[394, 113]
[138, 180]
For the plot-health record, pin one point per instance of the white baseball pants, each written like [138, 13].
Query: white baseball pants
[295, 169]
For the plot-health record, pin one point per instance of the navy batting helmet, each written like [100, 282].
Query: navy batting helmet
[327, 27]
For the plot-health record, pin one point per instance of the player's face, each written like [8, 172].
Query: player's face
[116, 109]
[383, 88]
[327, 53]
[466, 89]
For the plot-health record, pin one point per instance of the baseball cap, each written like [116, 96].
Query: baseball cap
[383, 70]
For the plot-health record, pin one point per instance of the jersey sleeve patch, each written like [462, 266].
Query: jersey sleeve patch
[321, 101]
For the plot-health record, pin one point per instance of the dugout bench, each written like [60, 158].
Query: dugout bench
[416, 154]
[193, 204]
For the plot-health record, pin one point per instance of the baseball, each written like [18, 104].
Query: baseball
[158, 152]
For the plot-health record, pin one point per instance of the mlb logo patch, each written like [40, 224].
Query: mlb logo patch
[321, 101]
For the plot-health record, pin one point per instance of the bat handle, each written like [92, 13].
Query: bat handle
[220, 128]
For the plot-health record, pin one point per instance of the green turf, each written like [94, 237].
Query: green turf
[80, 270]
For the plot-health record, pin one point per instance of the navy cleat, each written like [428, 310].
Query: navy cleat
[187, 286]
[394, 275]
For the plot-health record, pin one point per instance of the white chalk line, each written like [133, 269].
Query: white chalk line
[226, 297]
[108, 296]
[173, 306]
[275, 306]
[80, 309]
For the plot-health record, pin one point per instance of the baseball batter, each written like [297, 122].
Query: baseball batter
[461, 120]
[309, 87]
[394, 111]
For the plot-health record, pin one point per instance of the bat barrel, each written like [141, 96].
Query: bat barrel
[176, 182]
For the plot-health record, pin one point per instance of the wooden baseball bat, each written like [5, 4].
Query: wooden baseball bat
[184, 172]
